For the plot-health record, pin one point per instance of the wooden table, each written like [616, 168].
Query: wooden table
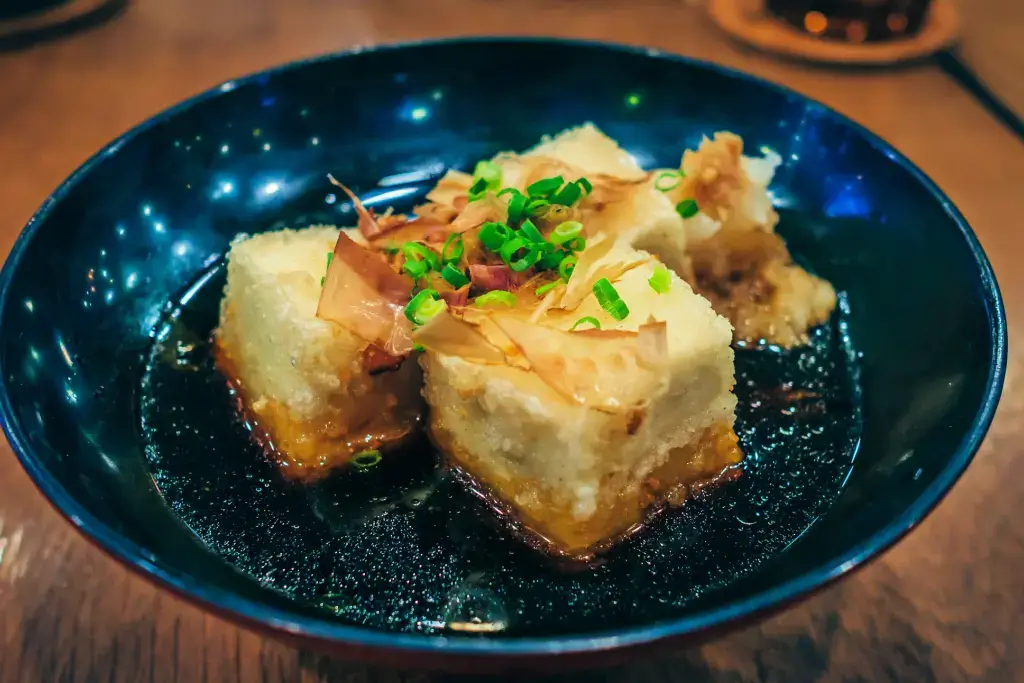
[947, 604]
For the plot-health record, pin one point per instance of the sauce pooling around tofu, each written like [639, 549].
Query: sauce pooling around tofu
[402, 546]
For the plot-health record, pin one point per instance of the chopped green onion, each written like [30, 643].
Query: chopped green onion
[477, 190]
[453, 276]
[578, 244]
[424, 306]
[544, 289]
[687, 208]
[414, 251]
[586, 320]
[490, 173]
[417, 347]
[551, 260]
[366, 459]
[493, 235]
[454, 242]
[391, 248]
[585, 185]
[330, 257]
[610, 300]
[661, 281]
[530, 231]
[510, 249]
[498, 297]
[668, 180]
[566, 267]
[415, 269]
[545, 186]
[618, 309]
[565, 232]
[516, 204]
[568, 195]
[535, 206]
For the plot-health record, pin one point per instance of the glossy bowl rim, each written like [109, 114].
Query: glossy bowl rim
[327, 633]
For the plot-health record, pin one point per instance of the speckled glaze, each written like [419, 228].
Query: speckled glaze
[102, 266]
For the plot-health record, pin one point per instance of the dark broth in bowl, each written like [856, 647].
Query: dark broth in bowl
[402, 547]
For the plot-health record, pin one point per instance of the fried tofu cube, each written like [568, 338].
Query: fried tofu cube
[727, 249]
[579, 476]
[306, 384]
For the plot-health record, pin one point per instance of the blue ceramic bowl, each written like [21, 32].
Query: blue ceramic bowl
[110, 401]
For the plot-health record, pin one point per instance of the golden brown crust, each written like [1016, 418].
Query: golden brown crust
[750, 278]
[625, 508]
[308, 449]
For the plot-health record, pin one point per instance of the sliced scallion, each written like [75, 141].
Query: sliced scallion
[667, 181]
[585, 185]
[535, 207]
[661, 280]
[578, 244]
[366, 459]
[415, 269]
[453, 276]
[586, 320]
[545, 186]
[453, 248]
[568, 195]
[493, 235]
[414, 251]
[610, 300]
[490, 173]
[544, 289]
[530, 231]
[518, 254]
[566, 267]
[516, 204]
[424, 306]
[565, 232]
[687, 208]
[551, 260]
[478, 189]
[498, 297]
[330, 257]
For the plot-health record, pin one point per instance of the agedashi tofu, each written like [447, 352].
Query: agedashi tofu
[559, 321]
[581, 434]
[309, 385]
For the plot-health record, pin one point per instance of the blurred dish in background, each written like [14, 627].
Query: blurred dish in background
[853, 21]
[849, 32]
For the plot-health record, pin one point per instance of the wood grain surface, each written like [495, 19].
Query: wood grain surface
[991, 46]
[947, 604]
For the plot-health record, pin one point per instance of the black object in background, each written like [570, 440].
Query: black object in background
[15, 9]
[24, 23]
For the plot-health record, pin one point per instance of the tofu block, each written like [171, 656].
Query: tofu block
[727, 249]
[304, 381]
[734, 256]
[576, 476]
[624, 204]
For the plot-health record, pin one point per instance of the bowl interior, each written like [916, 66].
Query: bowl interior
[98, 274]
